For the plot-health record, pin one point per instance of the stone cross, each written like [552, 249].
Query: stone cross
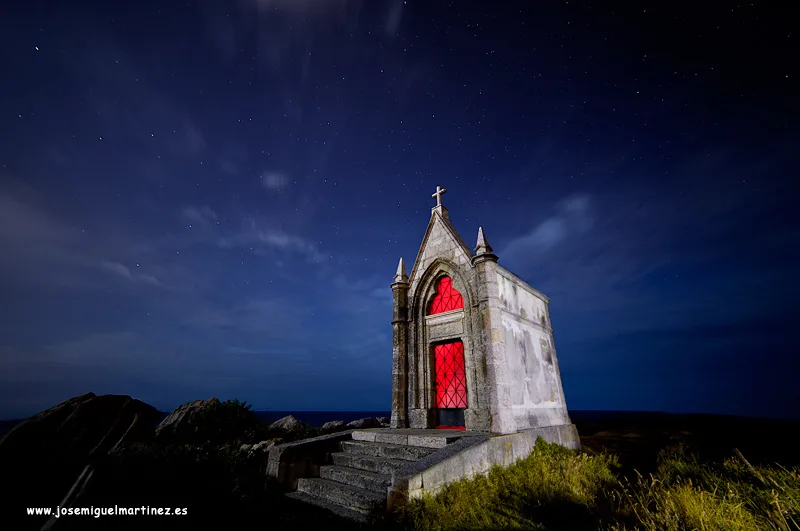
[438, 195]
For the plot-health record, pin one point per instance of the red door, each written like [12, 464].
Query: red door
[450, 385]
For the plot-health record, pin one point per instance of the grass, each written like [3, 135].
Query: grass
[559, 489]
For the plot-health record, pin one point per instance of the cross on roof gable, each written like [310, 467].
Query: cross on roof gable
[440, 224]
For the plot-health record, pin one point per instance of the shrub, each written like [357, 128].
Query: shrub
[230, 421]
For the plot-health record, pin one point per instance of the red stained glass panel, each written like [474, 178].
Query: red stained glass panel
[451, 380]
[446, 297]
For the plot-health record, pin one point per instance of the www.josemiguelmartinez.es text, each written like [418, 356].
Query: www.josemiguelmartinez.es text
[97, 512]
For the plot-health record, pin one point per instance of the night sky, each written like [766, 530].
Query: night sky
[210, 198]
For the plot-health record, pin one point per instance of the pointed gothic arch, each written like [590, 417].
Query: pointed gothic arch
[429, 330]
[445, 298]
[424, 290]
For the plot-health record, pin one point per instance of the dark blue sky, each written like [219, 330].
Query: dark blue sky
[210, 198]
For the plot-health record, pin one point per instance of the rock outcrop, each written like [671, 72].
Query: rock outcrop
[51, 456]
[183, 416]
[363, 424]
[260, 447]
[97, 451]
[334, 425]
[263, 447]
[286, 424]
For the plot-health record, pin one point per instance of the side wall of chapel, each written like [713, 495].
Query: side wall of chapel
[537, 396]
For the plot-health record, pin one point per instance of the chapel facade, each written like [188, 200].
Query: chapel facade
[473, 345]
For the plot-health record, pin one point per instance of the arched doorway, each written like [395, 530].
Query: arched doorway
[449, 371]
[450, 384]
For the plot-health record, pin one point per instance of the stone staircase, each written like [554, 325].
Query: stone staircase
[356, 484]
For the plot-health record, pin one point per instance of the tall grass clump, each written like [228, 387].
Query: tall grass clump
[560, 489]
[688, 494]
[553, 488]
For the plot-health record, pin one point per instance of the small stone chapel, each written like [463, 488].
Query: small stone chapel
[473, 344]
[475, 384]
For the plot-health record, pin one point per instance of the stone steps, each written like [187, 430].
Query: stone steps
[356, 483]
[342, 512]
[347, 496]
[357, 478]
[380, 465]
[390, 451]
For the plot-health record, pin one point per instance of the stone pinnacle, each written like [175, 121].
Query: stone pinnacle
[401, 276]
[483, 246]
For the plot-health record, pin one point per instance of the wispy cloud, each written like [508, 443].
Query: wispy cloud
[266, 325]
[265, 240]
[37, 247]
[393, 18]
[199, 215]
[274, 181]
[187, 142]
[644, 248]
[22, 222]
[117, 352]
[572, 218]
[125, 272]
[43, 249]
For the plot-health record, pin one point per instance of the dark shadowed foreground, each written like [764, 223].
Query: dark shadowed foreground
[209, 458]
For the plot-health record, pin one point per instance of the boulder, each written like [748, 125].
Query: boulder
[369, 422]
[287, 423]
[384, 421]
[334, 425]
[182, 416]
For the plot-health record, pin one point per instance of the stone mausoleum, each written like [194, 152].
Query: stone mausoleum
[473, 343]
[475, 383]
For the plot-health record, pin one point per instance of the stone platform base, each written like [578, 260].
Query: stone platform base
[365, 472]
[414, 436]
[471, 456]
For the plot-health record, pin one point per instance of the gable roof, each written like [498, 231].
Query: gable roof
[439, 215]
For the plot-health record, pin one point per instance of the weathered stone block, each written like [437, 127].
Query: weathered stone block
[427, 441]
[477, 418]
[392, 438]
[421, 418]
[364, 435]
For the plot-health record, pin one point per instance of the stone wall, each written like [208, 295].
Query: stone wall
[472, 456]
[537, 396]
